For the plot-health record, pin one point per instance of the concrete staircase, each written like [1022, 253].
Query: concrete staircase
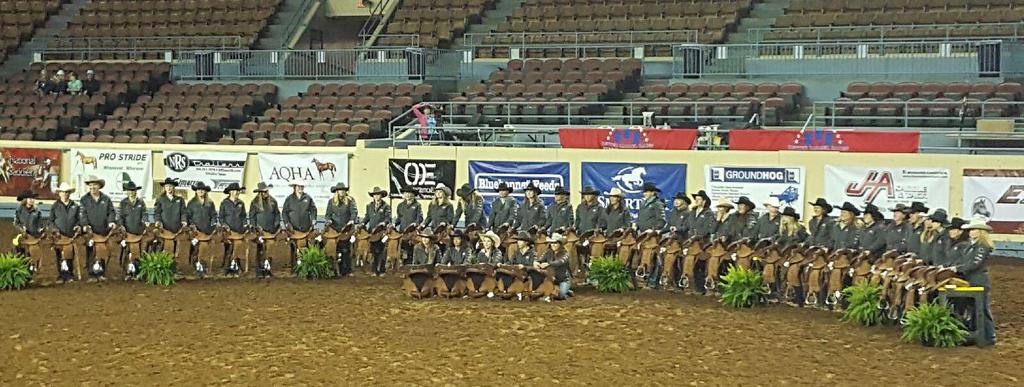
[492, 17]
[54, 27]
[290, 11]
[762, 15]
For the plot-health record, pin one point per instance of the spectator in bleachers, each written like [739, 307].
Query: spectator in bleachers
[74, 84]
[43, 85]
[90, 86]
[428, 121]
[58, 84]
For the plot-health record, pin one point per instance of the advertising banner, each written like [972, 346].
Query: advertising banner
[757, 183]
[627, 138]
[423, 175]
[485, 176]
[116, 167]
[997, 194]
[29, 169]
[825, 140]
[216, 169]
[885, 187]
[319, 172]
[631, 177]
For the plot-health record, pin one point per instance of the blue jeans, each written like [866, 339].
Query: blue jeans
[563, 289]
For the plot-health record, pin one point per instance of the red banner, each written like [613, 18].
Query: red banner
[22, 169]
[825, 140]
[628, 138]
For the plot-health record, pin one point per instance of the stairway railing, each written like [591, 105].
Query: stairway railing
[295, 22]
[375, 19]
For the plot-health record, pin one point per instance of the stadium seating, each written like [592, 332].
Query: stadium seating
[19, 19]
[932, 104]
[437, 22]
[743, 99]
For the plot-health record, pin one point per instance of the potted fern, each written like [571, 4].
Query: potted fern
[864, 301]
[156, 268]
[742, 288]
[14, 271]
[609, 275]
[933, 325]
[312, 263]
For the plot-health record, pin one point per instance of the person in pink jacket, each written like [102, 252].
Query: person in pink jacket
[427, 120]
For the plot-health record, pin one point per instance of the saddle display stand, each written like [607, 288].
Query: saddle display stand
[361, 255]
[694, 253]
[243, 252]
[624, 242]
[671, 249]
[210, 252]
[793, 267]
[572, 248]
[393, 247]
[814, 278]
[648, 244]
[135, 246]
[861, 268]
[742, 254]
[509, 281]
[71, 255]
[418, 281]
[41, 256]
[277, 250]
[973, 298]
[597, 241]
[540, 242]
[716, 255]
[480, 280]
[178, 245]
[299, 240]
[771, 262]
[540, 283]
[106, 254]
[838, 272]
[450, 281]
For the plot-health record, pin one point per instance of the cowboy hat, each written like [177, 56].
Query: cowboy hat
[262, 187]
[589, 190]
[504, 187]
[956, 223]
[339, 187]
[723, 202]
[441, 187]
[874, 211]
[847, 206]
[378, 191]
[791, 212]
[559, 190]
[900, 207]
[65, 187]
[556, 238]
[821, 202]
[918, 207]
[170, 181]
[201, 186]
[27, 195]
[95, 180]
[682, 196]
[456, 234]
[772, 202]
[130, 186]
[426, 232]
[977, 223]
[939, 216]
[650, 187]
[233, 187]
[494, 237]
[747, 201]
[464, 191]
[616, 192]
[524, 236]
[409, 189]
[296, 182]
[533, 188]
[702, 194]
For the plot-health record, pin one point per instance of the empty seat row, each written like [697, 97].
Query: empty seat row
[597, 12]
[721, 90]
[903, 18]
[354, 103]
[194, 131]
[125, 139]
[419, 91]
[820, 6]
[326, 115]
[1009, 91]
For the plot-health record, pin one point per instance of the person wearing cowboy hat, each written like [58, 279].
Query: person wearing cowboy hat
[426, 251]
[679, 217]
[64, 214]
[791, 231]
[742, 223]
[702, 219]
[934, 241]
[441, 211]
[232, 209]
[846, 234]
[378, 213]
[169, 210]
[588, 212]
[872, 235]
[768, 224]
[651, 215]
[532, 213]
[409, 212]
[98, 215]
[131, 212]
[972, 265]
[958, 243]
[471, 204]
[616, 216]
[523, 254]
[299, 210]
[917, 212]
[264, 215]
[722, 209]
[490, 249]
[341, 211]
[557, 258]
[459, 253]
[503, 207]
[560, 215]
[897, 230]
[27, 218]
[821, 224]
[200, 211]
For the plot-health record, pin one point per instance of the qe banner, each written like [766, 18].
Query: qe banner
[422, 175]
[319, 172]
[997, 194]
[116, 167]
[216, 169]
[485, 176]
[29, 169]
[885, 187]
[757, 183]
[630, 178]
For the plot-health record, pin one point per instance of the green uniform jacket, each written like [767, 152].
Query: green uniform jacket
[495, 257]
[377, 215]
[913, 238]
[820, 230]
[65, 217]
[738, 226]
[29, 220]
[845, 238]
[520, 258]
[201, 215]
[409, 213]
[679, 218]
[503, 210]
[232, 214]
[588, 216]
[474, 212]
[422, 256]
[767, 226]
[936, 252]
[703, 223]
[438, 214]
[559, 262]
[615, 219]
[872, 238]
[456, 256]
[97, 213]
[788, 240]
[560, 216]
[971, 263]
[896, 237]
[299, 212]
[651, 215]
[170, 212]
[132, 216]
[532, 215]
[267, 219]
[338, 215]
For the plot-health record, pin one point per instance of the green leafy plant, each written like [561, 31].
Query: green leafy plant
[14, 272]
[609, 275]
[313, 264]
[742, 288]
[864, 301]
[157, 268]
[933, 324]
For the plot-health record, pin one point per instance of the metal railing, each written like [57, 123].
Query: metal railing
[522, 39]
[888, 33]
[131, 47]
[915, 114]
[503, 136]
[976, 58]
[396, 40]
[342, 64]
[295, 22]
[376, 18]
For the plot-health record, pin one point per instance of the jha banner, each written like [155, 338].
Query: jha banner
[485, 176]
[824, 140]
[29, 169]
[630, 178]
[885, 187]
[997, 194]
[628, 138]
[423, 175]
[116, 167]
[216, 169]
[319, 172]
[758, 184]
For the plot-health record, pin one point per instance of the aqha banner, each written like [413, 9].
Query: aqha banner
[216, 169]
[24, 169]
[319, 172]
[997, 194]
[486, 176]
[757, 183]
[887, 186]
[116, 167]
[631, 177]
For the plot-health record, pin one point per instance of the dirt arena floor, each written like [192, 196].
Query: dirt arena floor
[361, 331]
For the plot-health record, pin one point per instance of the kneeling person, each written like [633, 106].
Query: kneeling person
[556, 262]
[450, 280]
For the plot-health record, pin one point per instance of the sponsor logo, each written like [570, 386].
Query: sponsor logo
[488, 182]
[756, 175]
[789, 196]
[819, 139]
[630, 179]
[177, 162]
[1013, 195]
[982, 206]
[418, 173]
[873, 185]
[627, 138]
